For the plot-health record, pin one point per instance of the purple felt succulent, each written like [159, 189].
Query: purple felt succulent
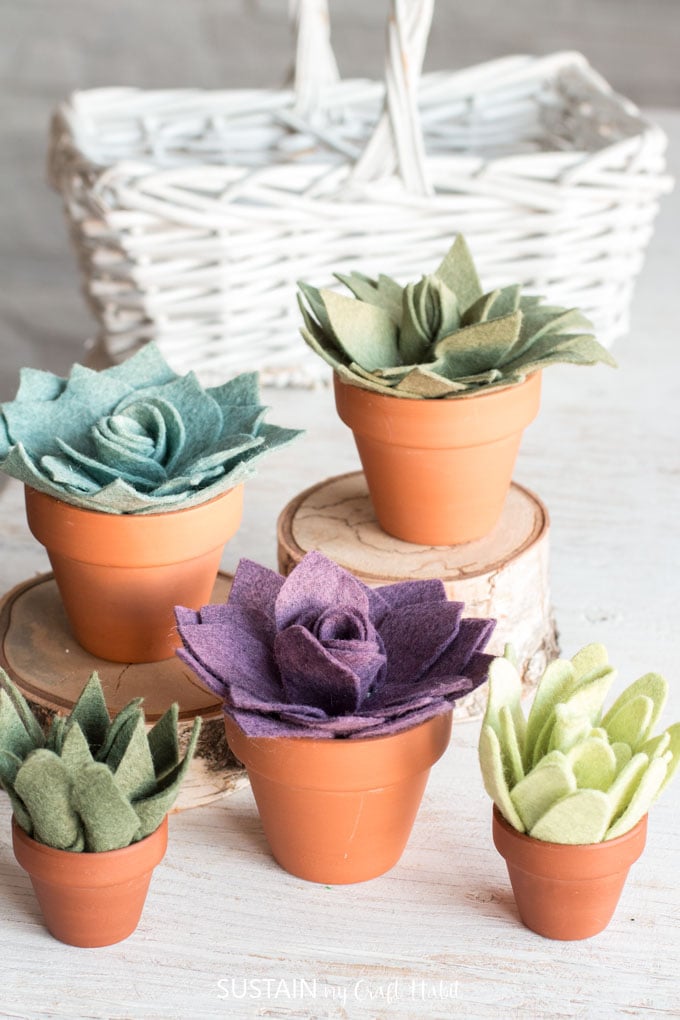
[319, 654]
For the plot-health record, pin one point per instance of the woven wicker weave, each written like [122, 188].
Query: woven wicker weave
[195, 212]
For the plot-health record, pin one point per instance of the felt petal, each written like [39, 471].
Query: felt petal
[626, 783]
[473, 635]
[243, 389]
[91, 714]
[256, 587]
[152, 810]
[655, 746]
[119, 743]
[458, 272]
[57, 731]
[135, 774]
[569, 728]
[674, 751]
[647, 789]
[408, 593]
[163, 742]
[75, 751]
[9, 767]
[424, 382]
[478, 347]
[631, 723]
[544, 739]
[541, 788]
[44, 785]
[587, 697]
[651, 685]
[78, 469]
[383, 292]
[591, 659]
[580, 817]
[312, 675]
[13, 735]
[415, 637]
[622, 753]
[236, 648]
[23, 710]
[315, 583]
[505, 689]
[493, 775]
[107, 816]
[364, 332]
[124, 722]
[594, 764]
[558, 678]
[509, 741]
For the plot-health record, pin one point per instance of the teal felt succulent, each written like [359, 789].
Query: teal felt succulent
[91, 784]
[443, 336]
[135, 438]
[571, 772]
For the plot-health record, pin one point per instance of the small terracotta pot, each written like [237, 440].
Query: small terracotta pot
[90, 899]
[566, 891]
[438, 471]
[338, 811]
[121, 575]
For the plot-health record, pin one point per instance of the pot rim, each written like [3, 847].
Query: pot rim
[477, 420]
[298, 760]
[137, 540]
[567, 861]
[161, 514]
[88, 868]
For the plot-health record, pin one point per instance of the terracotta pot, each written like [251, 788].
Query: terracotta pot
[92, 899]
[339, 811]
[438, 471]
[120, 575]
[567, 891]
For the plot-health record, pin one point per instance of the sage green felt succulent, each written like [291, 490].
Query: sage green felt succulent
[92, 783]
[571, 772]
[442, 336]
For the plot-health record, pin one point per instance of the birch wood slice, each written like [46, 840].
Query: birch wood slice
[50, 668]
[504, 575]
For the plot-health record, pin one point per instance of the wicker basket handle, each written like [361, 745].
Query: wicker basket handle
[396, 144]
[315, 65]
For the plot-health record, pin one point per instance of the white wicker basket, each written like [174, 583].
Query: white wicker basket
[195, 212]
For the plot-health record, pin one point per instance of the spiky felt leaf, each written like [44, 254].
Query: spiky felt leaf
[99, 784]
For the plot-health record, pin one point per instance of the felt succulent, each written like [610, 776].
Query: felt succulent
[91, 784]
[571, 772]
[135, 438]
[442, 336]
[319, 654]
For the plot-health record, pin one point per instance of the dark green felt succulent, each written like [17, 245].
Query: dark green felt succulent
[442, 336]
[93, 783]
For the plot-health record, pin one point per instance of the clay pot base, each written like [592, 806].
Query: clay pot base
[504, 575]
[91, 900]
[340, 811]
[567, 892]
[39, 652]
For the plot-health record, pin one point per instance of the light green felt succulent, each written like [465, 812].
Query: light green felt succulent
[571, 773]
[442, 336]
[92, 784]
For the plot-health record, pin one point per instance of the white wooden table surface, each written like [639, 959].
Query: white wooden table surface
[225, 932]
